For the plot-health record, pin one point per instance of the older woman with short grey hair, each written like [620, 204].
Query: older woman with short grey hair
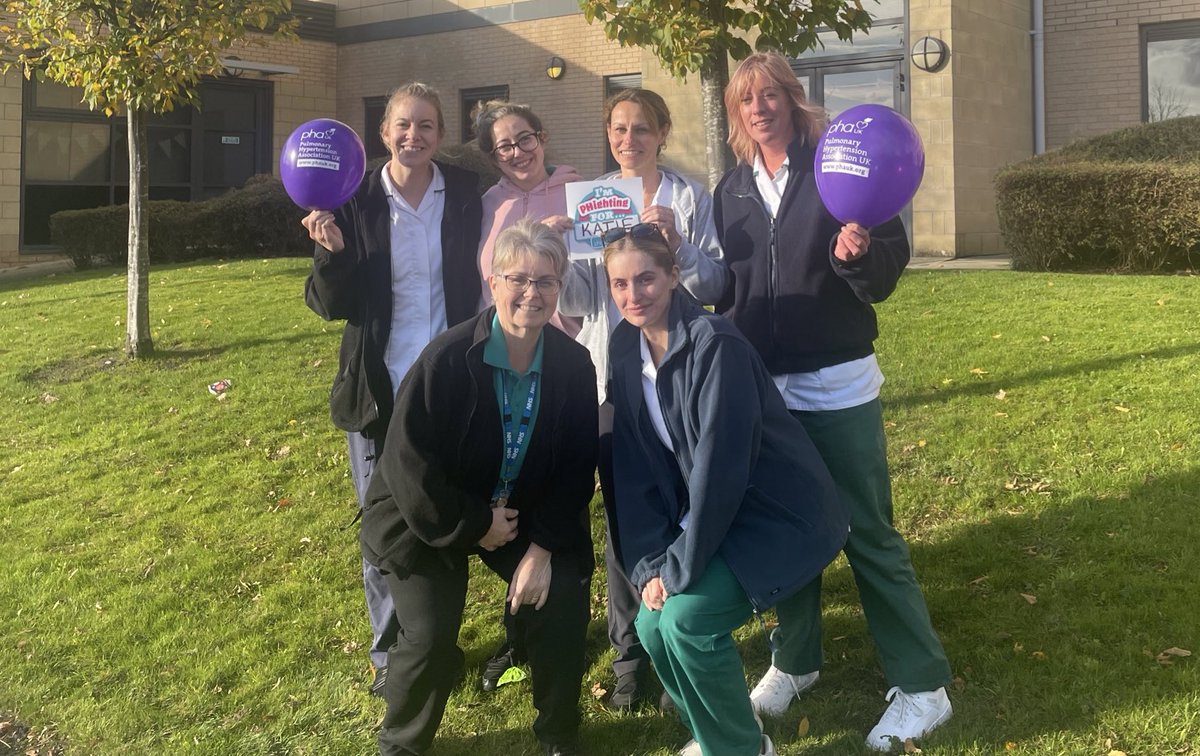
[504, 393]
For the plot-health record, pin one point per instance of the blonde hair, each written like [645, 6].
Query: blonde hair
[654, 246]
[654, 110]
[529, 238]
[808, 120]
[415, 90]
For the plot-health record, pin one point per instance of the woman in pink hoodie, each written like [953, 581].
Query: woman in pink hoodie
[514, 138]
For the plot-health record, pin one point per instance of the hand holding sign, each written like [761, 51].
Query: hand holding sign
[597, 206]
[868, 165]
[322, 164]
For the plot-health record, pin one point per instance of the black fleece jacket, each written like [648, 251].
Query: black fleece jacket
[799, 306]
[432, 491]
[355, 285]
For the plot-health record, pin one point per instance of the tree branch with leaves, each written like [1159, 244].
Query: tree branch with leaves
[138, 57]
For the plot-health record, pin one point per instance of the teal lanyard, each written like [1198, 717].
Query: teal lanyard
[514, 443]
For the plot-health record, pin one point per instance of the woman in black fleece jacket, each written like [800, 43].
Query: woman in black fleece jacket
[801, 291]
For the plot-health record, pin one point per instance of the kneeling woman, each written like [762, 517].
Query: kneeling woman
[491, 450]
[724, 508]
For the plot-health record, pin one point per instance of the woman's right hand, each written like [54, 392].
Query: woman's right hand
[654, 595]
[324, 230]
[503, 529]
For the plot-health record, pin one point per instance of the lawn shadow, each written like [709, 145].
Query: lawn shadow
[1053, 621]
[989, 386]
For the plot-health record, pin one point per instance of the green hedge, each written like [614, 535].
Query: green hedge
[258, 220]
[1124, 201]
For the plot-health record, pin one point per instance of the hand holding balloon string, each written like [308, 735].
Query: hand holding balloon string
[323, 229]
[853, 241]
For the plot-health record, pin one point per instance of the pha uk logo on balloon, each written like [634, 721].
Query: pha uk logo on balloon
[868, 165]
[322, 164]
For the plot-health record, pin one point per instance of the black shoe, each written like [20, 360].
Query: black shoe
[380, 680]
[561, 750]
[625, 696]
[496, 667]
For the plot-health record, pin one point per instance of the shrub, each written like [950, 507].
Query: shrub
[258, 220]
[1124, 201]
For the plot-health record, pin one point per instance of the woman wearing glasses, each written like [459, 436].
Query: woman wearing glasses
[513, 136]
[504, 393]
[724, 507]
[638, 123]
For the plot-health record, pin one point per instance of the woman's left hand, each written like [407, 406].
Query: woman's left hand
[531, 580]
[654, 595]
[852, 242]
[664, 218]
[560, 223]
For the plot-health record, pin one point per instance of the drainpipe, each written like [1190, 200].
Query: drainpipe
[1039, 78]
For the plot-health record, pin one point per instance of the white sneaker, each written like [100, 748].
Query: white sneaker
[776, 690]
[692, 748]
[910, 715]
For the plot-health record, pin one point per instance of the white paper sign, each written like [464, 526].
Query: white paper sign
[597, 206]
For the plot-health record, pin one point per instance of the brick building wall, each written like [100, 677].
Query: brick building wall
[301, 97]
[10, 172]
[974, 117]
[512, 54]
[1093, 63]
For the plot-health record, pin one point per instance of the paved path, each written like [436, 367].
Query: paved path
[983, 262]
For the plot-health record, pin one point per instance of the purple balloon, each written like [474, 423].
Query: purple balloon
[868, 165]
[322, 164]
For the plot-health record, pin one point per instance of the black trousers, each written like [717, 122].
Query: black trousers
[624, 600]
[426, 663]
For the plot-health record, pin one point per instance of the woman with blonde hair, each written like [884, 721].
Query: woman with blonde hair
[803, 286]
[396, 262]
[724, 506]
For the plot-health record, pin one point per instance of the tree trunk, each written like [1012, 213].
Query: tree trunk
[714, 76]
[137, 284]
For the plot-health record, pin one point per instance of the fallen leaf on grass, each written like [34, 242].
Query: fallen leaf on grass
[978, 580]
[1000, 414]
[1039, 655]
[1029, 599]
[1010, 746]
[802, 730]
[599, 691]
[978, 371]
[49, 398]
[1166, 658]
[959, 684]
[1119, 408]
[316, 363]
[1116, 753]
[281, 452]
[1001, 394]
[1045, 338]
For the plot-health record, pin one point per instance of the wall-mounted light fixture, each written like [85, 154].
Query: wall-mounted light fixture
[930, 54]
[556, 68]
[235, 66]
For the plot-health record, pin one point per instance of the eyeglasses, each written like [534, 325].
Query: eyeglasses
[528, 142]
[636, 231]
[518, 283]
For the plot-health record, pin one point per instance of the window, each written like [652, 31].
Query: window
[373, 108]
[74, 158]
[1170, 70]
[469, 99]
[612, 85]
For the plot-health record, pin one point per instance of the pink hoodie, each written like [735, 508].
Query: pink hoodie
[504, 204]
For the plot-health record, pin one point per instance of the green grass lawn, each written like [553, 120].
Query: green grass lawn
[180, 574]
